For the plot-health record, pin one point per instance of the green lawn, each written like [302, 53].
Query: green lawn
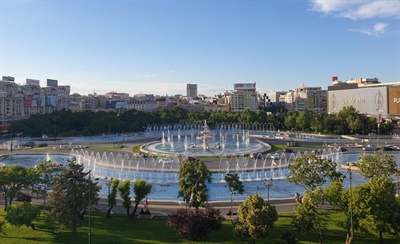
[120, 230]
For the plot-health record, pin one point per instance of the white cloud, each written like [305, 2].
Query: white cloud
[146, 76]
[149, 76]
[358, 9]
[377, 30]
[381, 9]
[329, 6]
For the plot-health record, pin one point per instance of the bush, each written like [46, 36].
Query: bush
[195, 224]
[22, 213]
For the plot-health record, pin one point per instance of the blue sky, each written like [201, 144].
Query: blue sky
[158, 47]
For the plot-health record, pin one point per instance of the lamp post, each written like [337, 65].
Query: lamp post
[11, 143]
[54, 118]
[268, 184]
[363, 127]
[90, 208]
[108, 184]
[397, 181]
[351, 205]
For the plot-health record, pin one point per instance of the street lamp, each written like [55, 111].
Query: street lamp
[90, 208]
[108, 184]
[54, 118]
[351, 205]
[11, 143]
[268, 184]
[397, 181]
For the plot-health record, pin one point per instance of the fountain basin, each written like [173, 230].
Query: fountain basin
[214, 148]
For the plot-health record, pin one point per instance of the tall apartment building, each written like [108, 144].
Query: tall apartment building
[306, 98]
[191, 90]
[20, 101]
[244, 96]
[142, 105]
[273, 98]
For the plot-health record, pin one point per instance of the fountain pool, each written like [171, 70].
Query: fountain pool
[164, 177]
[206, 143]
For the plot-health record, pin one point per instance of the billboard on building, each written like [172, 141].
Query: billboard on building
[243, 86]
[110, 104]
[51, 101]
[51, 82]
[121, 105]
[34, 100]
[32, 82]
[371, 100]
[394, 100]
[28, 100]
[8, 78]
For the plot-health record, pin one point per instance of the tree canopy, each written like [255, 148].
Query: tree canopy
[311, 170]
[88, 123]
[70, 195]
[13, 178]
[193, 177]
[255, 218]
[377, 164]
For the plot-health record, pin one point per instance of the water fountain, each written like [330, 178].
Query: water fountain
[164, 177]
[228, 142]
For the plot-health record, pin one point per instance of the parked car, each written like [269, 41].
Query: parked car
[43, 145]
[343, 149]
[275, 156]
[258, 155]
[288, 150]
[22, 197]
[165, 161]
[29, 144]
[142, 155]
[191, 159]
[371, 148]
[389, 148]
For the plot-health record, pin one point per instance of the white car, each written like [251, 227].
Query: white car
[275, 156]
[165, 161]
[371, 148]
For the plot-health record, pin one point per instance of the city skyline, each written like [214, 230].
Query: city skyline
[157, 47]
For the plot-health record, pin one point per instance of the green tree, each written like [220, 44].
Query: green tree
[70, 195]
[247, 116]
[290, 121]
[303, 120]
[255, 218]
[377, 164]
[13, 179]
[333, 192]
[234, 185]
[307, 218]
[125, 192]
[22, 213]
[46, 174]
[112, 197]
[310, 171]
[141, 189]
[375, 206]
[193, 177]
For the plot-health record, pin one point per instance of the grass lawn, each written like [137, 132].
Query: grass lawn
[119, 229]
